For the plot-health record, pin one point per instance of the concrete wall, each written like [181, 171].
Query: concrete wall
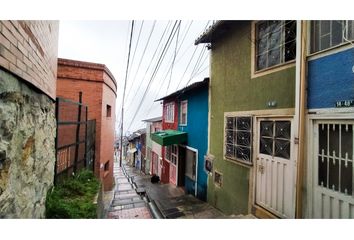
[98, 89]
[234, 89]
[197, 129]
[29, 49]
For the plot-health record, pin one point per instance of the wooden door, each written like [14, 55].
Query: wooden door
[333, 169]
[275, 167]
[165, 171]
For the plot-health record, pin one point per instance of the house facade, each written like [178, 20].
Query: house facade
[98, 87]
[252, 145]
[193, 119]
[184, 138]
[281, 118]
[329, 120]
[153, 150]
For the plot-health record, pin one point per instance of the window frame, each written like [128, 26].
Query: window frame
[170, 155]
[195, 151]
[275, 68]
[169, 112]
[341, 44]
[251, 142]
[181, 112]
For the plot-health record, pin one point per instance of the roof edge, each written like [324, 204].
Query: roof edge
[193, 86]
[205, 37]
[88, 65]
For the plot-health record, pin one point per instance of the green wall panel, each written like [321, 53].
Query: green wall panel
[233, 89]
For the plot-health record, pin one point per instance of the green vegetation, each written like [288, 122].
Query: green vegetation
[73, 198]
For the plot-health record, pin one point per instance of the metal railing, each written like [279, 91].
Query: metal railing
[75, 138]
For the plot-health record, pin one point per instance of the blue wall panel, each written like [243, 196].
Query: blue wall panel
[330, 79]
[197, 129]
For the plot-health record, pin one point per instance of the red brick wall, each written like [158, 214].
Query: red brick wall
[107, 133]
[76, 76]
[29, 49]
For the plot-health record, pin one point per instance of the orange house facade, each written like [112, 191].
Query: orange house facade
[99, 92]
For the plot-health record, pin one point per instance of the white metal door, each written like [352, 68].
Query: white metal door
[333, 169]
[275, 167]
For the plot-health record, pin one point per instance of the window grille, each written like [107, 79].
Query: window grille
[275, 138]
[239, 139]
[275, 43]
[335, 157]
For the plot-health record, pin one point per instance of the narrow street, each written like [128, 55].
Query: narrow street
[126, 202]
[135, 197]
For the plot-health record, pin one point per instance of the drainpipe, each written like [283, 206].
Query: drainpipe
[300, 106]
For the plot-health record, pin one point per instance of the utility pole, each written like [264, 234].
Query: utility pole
[125, 86]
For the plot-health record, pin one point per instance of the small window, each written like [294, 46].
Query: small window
[183, 116]
[275, 43]
[169, 112]
[238, 139]
[327, 34]
[106, 166]
[109, 111]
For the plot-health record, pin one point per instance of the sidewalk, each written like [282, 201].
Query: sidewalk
[171, 202]
[126, 202]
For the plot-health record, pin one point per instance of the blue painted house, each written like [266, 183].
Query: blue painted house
[195, 123]
[330, 120]
[185, 141]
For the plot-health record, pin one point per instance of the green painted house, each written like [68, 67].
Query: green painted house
[252, 147]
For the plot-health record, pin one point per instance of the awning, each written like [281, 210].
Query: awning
[169, 137]
[132, 150]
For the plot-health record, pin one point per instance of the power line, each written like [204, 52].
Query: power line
[168, 43]
[136, 45]
[195, 66]
[142, 57]
[158, 45]
[174, 57]
[125, 85]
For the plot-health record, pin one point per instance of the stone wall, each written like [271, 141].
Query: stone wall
[27, 148]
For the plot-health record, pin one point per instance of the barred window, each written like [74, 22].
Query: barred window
[327, 34]
[238, 142]
[275, 43]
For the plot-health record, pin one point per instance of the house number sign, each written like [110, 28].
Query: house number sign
[346, 103]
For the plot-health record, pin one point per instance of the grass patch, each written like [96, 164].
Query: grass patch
[73, 198]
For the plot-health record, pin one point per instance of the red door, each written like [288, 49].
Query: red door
[165, 173]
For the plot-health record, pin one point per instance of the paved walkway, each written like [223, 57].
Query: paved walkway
[126, 203]
[171, 201]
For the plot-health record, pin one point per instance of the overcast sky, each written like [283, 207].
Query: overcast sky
[107, 42]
